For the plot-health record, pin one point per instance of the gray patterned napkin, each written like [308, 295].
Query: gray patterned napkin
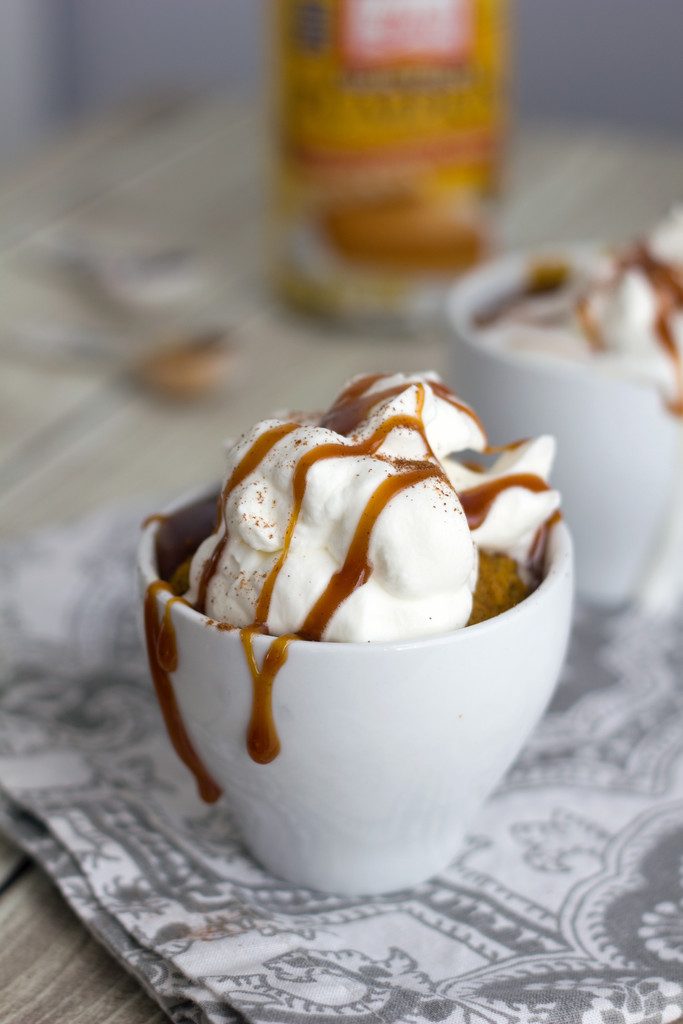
[564, 906]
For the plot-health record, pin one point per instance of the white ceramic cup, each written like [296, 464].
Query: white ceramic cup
[387, 748]
[617, 443]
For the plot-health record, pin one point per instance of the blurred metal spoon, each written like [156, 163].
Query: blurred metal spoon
[184, 365]
[146, 275]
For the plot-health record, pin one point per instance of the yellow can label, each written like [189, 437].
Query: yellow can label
[390, 116]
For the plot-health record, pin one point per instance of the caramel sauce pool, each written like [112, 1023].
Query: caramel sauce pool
[180, 534]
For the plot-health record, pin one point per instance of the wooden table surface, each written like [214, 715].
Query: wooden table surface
[74, 434]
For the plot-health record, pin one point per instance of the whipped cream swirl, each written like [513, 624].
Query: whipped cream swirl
[619, 310]
[353, 529]
[632, 311]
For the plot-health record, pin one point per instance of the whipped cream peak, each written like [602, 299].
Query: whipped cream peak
[449, 424]
[624, 311]
[354, 528]
[515, 513]
[633, 310]
[665, 242]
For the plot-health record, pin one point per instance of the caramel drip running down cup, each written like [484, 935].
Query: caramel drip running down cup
[263, 742]
[162, 653]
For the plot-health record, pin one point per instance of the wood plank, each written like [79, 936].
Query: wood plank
[40, 399]
[99, 156]
[563, 184]
[145, 447]
[36, 404]
[147, 191]
[586, 184]
[127, 444]
[51, 971]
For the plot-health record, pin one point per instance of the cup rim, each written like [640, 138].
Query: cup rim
[460, 304]
[559, 561]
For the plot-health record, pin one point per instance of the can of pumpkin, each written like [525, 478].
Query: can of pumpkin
[390, 121]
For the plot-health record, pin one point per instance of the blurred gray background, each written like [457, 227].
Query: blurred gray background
[604, 61]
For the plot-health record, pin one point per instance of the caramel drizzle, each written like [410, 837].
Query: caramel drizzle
[249, 462]
[357, 567]
[331, 450]
[353, 391]
[542, 278]
[156, 517]
[499, 449]
[669, 291]
[262, 739]
[263, 742]
[356, 401]
[162, 649]
[539, 546]
[162, 653]
[477, 501]
[589, 325]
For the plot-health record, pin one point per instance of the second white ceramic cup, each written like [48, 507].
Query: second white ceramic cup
[617, 443]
